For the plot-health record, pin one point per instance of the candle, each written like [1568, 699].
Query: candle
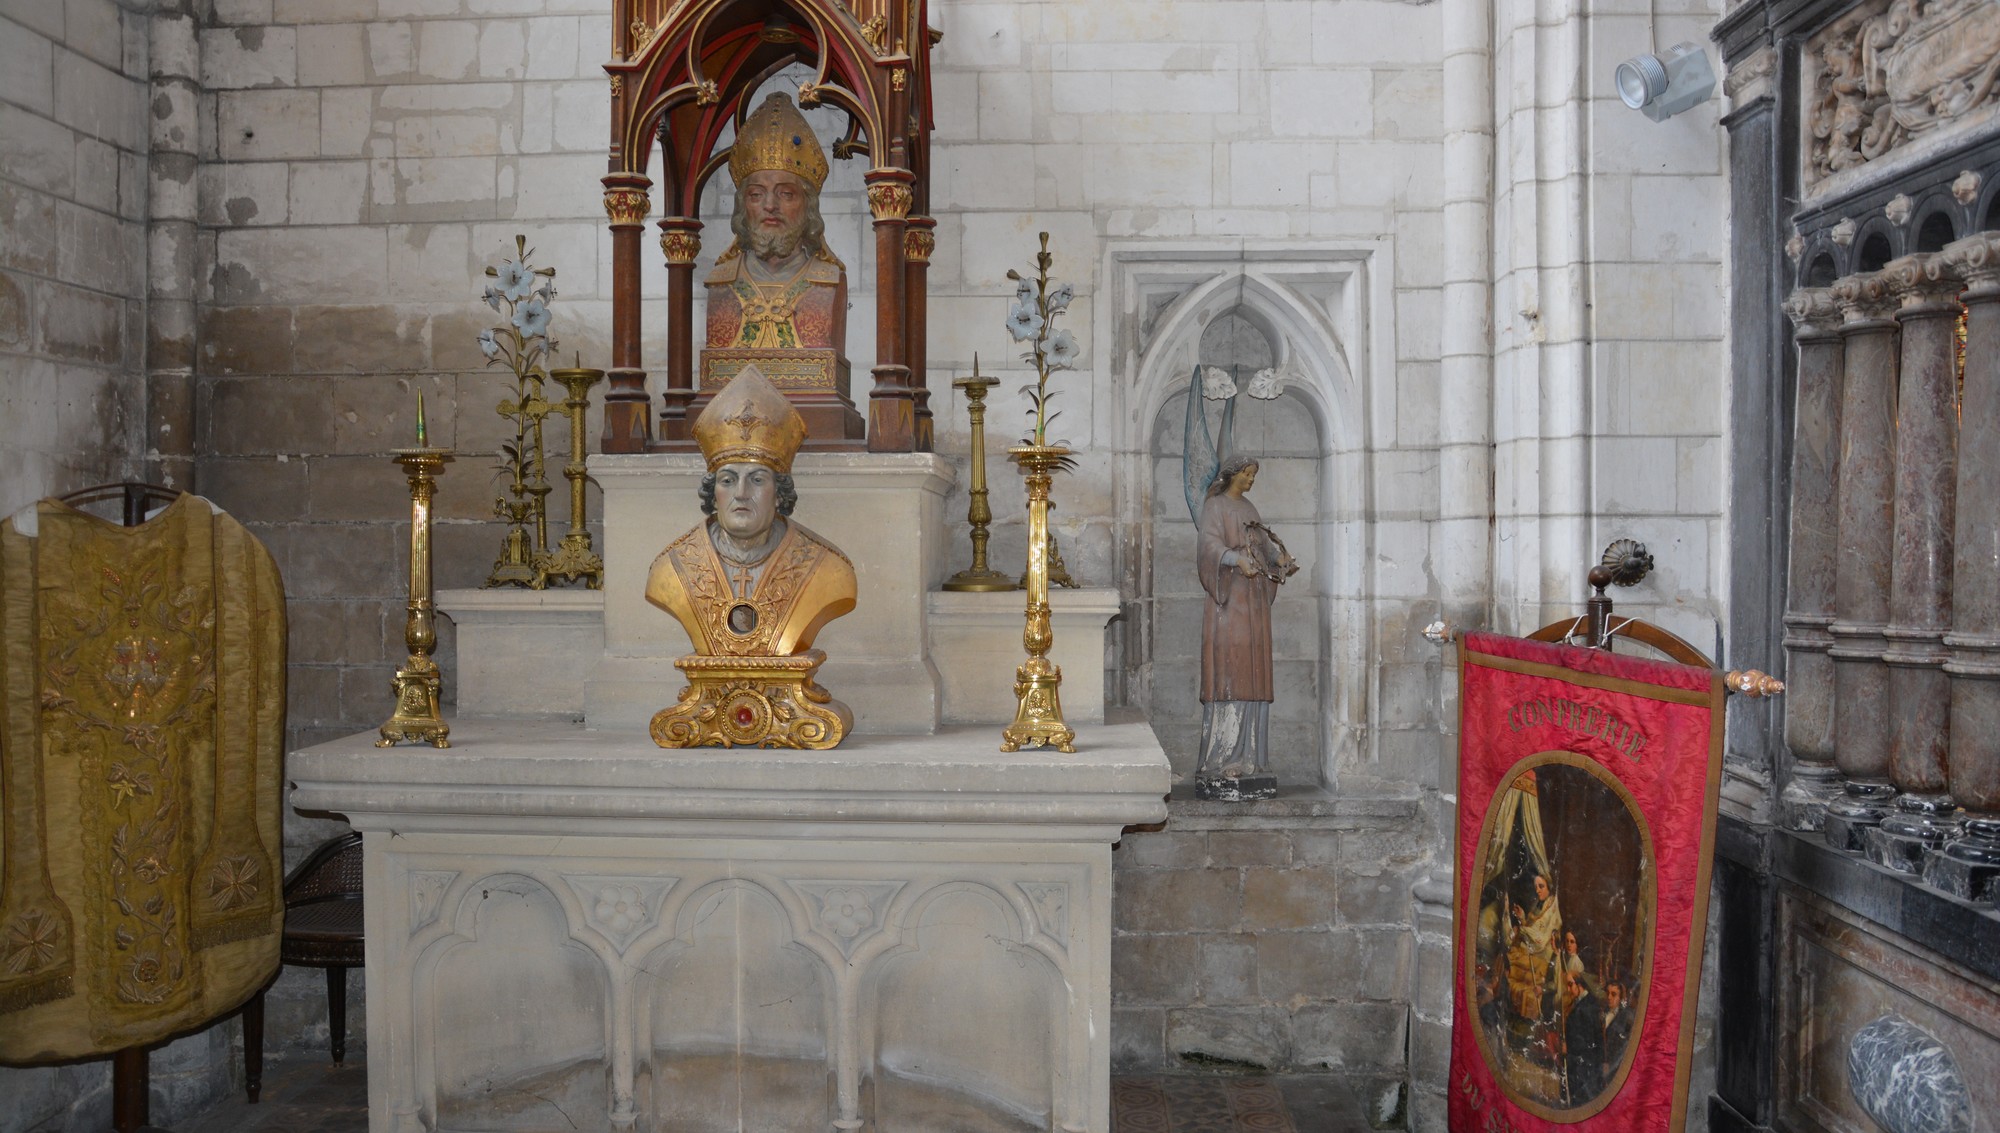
[420, 420]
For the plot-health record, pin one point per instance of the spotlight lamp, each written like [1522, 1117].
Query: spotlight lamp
[1661, 87]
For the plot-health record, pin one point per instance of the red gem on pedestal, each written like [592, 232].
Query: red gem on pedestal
[744, 716]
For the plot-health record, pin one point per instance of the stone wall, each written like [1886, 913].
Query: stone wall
[1273, 936]
[1609, 317]
[73, 208]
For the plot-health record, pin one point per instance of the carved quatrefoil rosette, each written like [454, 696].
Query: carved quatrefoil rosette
[847, 912]
[620, 908]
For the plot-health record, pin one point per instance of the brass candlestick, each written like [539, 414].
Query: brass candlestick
[978, 577]
[417, 718]
[1038, 717]
[574, 559]
[1058, 570]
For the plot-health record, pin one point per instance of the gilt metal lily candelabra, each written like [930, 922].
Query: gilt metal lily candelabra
[1038, 719]
[523, 293]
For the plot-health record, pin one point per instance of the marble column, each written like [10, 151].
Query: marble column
[1862, 558]
[1970, 867]
[1815, 533]
[1927, 288]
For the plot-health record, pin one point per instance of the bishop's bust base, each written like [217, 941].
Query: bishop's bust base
[753, 702]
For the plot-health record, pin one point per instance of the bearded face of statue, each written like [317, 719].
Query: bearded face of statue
[776, 212]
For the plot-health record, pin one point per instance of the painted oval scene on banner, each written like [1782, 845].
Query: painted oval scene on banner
[1561, 934]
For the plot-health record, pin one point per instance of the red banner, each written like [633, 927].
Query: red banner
[1586, 825]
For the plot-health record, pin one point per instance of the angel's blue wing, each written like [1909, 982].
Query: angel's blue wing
[1201, 455]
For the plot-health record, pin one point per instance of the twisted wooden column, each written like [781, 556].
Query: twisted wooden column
[1862, 558]
[892, 416]
[1815, 533]
[628, 425]
[1920, 574]
[680, 242]
[919, 240]
[1970, 867]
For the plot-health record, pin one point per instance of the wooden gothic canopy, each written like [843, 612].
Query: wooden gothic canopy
[682, 73]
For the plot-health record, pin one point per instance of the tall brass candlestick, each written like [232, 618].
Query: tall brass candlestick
[1038, 719]
[417, 718]
[978, 577]
[574, 559]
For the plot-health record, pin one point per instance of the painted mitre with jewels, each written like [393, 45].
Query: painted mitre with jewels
[776, 136]
[751, 587]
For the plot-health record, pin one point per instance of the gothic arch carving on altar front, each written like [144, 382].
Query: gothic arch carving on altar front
[682, 73]
[1328, 312]
[797, 969]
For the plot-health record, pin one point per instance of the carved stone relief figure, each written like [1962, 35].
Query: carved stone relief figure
[1888, 75]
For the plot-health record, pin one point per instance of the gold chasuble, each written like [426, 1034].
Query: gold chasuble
[142, 697]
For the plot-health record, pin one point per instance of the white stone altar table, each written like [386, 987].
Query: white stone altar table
[576, 930]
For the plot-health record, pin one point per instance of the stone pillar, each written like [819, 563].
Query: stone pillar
[1862, 559]
[1815, 533]
[892, 416]
[628, 425]
[1920, 574]
[173, 206]
[919, 240]
[680, 242]
[1970, 867]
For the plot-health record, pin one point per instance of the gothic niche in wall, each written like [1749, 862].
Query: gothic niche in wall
[1285, 436]
[1888, 74]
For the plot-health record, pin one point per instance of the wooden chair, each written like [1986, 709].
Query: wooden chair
[322, 930]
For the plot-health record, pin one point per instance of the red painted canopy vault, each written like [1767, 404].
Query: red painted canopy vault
[682, 72]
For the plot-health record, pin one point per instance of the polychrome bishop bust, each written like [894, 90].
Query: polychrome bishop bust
[777, 286]
[777, 298]
[752, 587]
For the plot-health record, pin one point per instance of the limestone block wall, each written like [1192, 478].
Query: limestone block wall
[72, 260]
[364, 159]
[1277, 937]
[1609, 317]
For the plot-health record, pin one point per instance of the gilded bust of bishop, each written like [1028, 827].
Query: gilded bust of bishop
[752, 587]
[778, 286]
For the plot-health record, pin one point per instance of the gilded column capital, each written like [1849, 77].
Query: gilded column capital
[1977, 258]
[1923, 283]
[1864, 298]
[1814, 311]
[680, 239]
[627, 207]
[890, 200]
[919, 242]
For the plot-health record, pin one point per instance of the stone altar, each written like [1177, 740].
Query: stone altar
[576, 929]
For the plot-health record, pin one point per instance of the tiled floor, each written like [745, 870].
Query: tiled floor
[311, 1096]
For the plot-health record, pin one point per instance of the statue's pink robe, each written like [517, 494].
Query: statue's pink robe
[1236, 625]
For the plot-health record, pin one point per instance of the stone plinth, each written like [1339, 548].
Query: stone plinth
[885, 511]
[975, 642]
[575, 929]
[524, 652]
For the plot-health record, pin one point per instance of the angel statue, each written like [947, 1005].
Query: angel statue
[1241, 564]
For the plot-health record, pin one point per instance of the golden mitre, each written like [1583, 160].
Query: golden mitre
[750, 420]
[776, 136]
